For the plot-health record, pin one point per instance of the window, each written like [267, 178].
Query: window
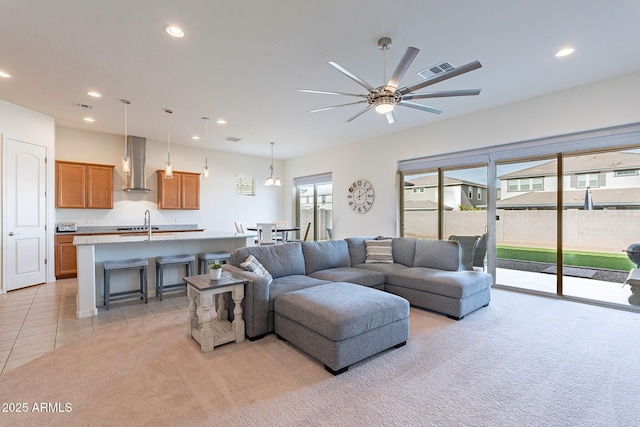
[479, 194]
[526, 184]
[470, 193]
[630, 172]
[589, 180]
[537, 184]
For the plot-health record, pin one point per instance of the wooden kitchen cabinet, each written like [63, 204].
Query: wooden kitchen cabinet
[84, 185]
[65, 257]
[181, 192]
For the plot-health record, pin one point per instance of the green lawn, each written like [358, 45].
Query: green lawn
[575, 258]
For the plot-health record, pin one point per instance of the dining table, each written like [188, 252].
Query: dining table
[284, 230]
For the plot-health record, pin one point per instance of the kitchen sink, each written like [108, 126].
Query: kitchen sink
[137, 228]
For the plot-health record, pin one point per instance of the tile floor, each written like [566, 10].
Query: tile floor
[42, 318]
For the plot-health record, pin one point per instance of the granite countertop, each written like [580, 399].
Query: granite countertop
[181, 235]
[131, 229]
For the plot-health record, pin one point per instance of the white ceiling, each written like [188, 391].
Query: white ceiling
[243, 60]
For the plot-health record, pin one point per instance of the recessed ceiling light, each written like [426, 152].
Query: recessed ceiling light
[221, 122]
[195, 137]
[174, 31]
[89, 119]
[565, 51]
[5, 75]
[94, 93]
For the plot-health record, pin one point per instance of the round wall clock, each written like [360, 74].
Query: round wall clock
[360, 196]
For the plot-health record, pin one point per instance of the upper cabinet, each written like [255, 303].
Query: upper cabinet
[84, 185]
[181, 192]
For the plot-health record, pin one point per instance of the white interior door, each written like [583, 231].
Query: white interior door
[24, 240]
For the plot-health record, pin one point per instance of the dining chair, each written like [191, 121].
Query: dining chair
[266, 233]
[281, 235]
[306, 234]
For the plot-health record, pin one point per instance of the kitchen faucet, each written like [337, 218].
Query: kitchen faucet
[147, 223]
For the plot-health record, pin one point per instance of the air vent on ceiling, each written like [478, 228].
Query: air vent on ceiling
[436, 70]
[233, 139]
[83, 106]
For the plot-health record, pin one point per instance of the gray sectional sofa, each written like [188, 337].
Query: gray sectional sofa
[427, 273]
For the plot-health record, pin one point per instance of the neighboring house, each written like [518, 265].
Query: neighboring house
[422, 194]
[613, 180]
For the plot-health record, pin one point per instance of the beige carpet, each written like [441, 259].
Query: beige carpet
[524, 360]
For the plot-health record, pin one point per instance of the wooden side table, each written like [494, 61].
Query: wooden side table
[213, 331]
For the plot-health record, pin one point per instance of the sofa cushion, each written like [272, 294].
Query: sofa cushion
[279, 260]
[357, 249]
[404, 250]
[454, 284]
[378, 251]
[339, 311]
[252, 264]
[286, 284]
[382, 268]
[437, 254]
[323, 255]
[359, 276]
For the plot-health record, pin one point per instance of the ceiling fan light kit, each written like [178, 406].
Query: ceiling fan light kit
[384, 98]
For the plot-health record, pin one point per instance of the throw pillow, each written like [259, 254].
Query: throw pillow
[253, 265]
[378, 251]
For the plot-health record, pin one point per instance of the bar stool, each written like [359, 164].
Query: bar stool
[204, 257]
[167, 261]
[123, 265]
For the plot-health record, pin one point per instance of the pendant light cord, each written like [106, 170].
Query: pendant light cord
[169, 112]
[126, 103]
[206, 141]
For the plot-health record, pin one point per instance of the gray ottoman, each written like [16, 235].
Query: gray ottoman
[341, 323]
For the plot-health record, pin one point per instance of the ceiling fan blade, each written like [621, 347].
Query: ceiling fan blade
[391, 118]
[332, 93]
[360, 113]
[444, 76]
[420, 107]
[442, 94]
[353, 77]
[336, 106]
[403, 66]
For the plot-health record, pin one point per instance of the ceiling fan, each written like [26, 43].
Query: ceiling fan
[384, 98]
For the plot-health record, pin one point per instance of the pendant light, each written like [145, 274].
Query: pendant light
[272, 180]
[168, 170]
[205, 171]
[126, 160]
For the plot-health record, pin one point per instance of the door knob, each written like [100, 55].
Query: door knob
[11, 233]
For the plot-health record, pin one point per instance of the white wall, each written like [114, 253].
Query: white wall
[29, 126]
[603, 104]
[220, 207]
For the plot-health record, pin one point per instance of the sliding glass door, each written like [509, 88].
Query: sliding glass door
[314, 207]
[448, 204]
[420, 205]
[561, 213]
[601, 211]
[526, 224]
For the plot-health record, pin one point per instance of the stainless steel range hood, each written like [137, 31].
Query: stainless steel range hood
[137, 152]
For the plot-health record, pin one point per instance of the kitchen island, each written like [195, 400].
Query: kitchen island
[93, 250]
